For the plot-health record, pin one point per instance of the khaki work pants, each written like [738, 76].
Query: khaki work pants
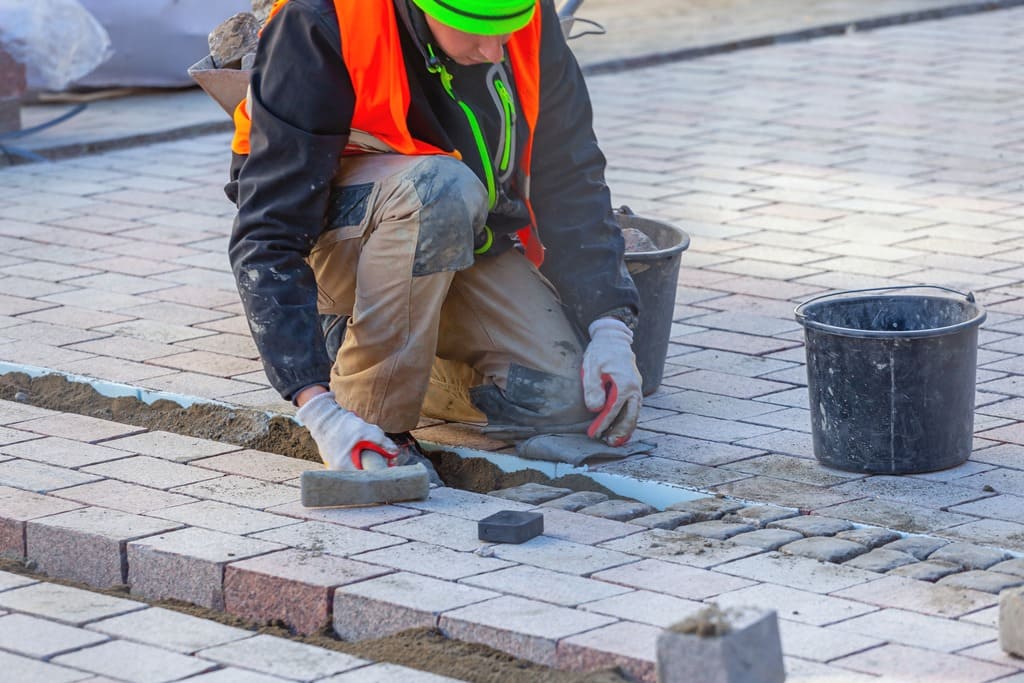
[430, 328]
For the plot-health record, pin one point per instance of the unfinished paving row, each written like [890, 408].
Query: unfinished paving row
[171, 517]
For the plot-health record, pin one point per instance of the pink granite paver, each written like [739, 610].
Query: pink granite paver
[88, 544]
[631, 647]
[295, 587]
[188, 564]
[16, 508]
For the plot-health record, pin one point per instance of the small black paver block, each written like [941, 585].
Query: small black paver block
[510, 526]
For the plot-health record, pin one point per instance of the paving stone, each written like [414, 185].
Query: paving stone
[918, 596]
[295, 587]
[169, 446]
[14, 411]
[531, 493]
[576, 500]
[463, 504]
[457, 533]
[135, 662]
[235, 675]
[570, 526]
[230, 519]
[88, 544]
[646, 607]
[881, 560]
[750, 650]
[760, 515]
[563, 556]
[663, 520]
[618, 510]
[40, 477]
[243, 491]
[794, 604]
[917, 630]
[872, 537]
[767, 539]
[188, 564]
[258, 465]
[826, 549]
[523, 628]
[679, 548]
[157, 473]
[356, 517]
[631, 648]
[63, 452]
[716, 529]
[9, 580]
[18, 668]
[388, 604]
[899, 662]
[812, 525]
[10, 436]
[1014, 566]
[904, 517]
[332, 539]
[970, 556]
[169, 630]
[66, 604]
[78, 427]
[42, 638]
[796, 571]
[119, 495]
[706, 509]
[918, 546]
[821, 644]
[674, 579]
[926, 570]
[16, 508]
[432, 560]
[980, 580]
[387, 673]
[1011, 622]
[545, 585]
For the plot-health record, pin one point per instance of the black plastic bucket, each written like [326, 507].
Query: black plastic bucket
[891, 378]
[656, 274]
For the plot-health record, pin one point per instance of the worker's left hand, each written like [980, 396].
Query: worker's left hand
[611, 382]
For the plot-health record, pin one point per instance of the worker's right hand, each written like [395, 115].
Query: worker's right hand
[611, 382]
[345, 441]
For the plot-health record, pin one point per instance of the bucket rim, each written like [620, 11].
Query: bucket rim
[801, 317]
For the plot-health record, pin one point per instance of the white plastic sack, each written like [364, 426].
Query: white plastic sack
[58, 41]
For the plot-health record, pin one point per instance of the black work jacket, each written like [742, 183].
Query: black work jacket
[301, 109]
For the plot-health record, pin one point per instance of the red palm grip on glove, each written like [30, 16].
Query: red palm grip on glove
[611, 396]
[357, 453]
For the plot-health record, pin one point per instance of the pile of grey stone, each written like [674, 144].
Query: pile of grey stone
[233, 42]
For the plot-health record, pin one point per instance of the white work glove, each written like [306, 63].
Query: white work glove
[611, 382]
[345, 441]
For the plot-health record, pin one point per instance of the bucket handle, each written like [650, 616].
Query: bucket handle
[798, 312]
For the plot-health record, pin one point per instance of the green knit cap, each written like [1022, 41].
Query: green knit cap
[481, 17]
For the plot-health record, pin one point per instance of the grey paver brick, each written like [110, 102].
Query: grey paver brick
[1014, 566]
[881, 560]
[333, 539]
[358, 517]
[230, 519]
[64, 603]
[969, 556]
[234, 675]
[119, 495]
[821, 644]
[525, 628]
[646, 607]
[812, 525]
[40, 477]
[243, 491]
[767, 539]
[927, 570]
[146, 470]
[618, 510]
[980, 580]
[794, 604]
[20, 668]
[463, 504]
[87, 544]
[760, 515]
[432, 560]
[673, 546]
[917, 630]
[663, 520]
[785, 493]
[871, 537]
[918, 546]
[560, 555]
[797, 572]
[42, 638]
[576, 500]
[673, 579]
[385, 673]
[134, 662]
[174, 447]
[570, 526]
[706, 509]
[168, 629]
[826, 549]
[918, 596]
[900, 661]
[545, 585]
[716, 528]
[531, 493]
[388, 604]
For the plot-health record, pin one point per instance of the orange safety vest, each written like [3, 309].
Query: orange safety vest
[372, 51]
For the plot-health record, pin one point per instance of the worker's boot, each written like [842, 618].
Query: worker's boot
[410, 452]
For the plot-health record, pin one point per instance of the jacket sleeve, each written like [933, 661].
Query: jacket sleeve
[301, 109]
[570, 199]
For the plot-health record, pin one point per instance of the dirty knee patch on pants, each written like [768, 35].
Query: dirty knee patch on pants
[453, 209]
[531, 398]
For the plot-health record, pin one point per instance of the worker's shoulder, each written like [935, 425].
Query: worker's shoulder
[322, 9]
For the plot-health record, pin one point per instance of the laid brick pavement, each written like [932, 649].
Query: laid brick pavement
[845, 162]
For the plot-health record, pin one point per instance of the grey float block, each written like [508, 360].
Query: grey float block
[1011, 621]
[510, 526]
[329, 488]
[737, 645]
